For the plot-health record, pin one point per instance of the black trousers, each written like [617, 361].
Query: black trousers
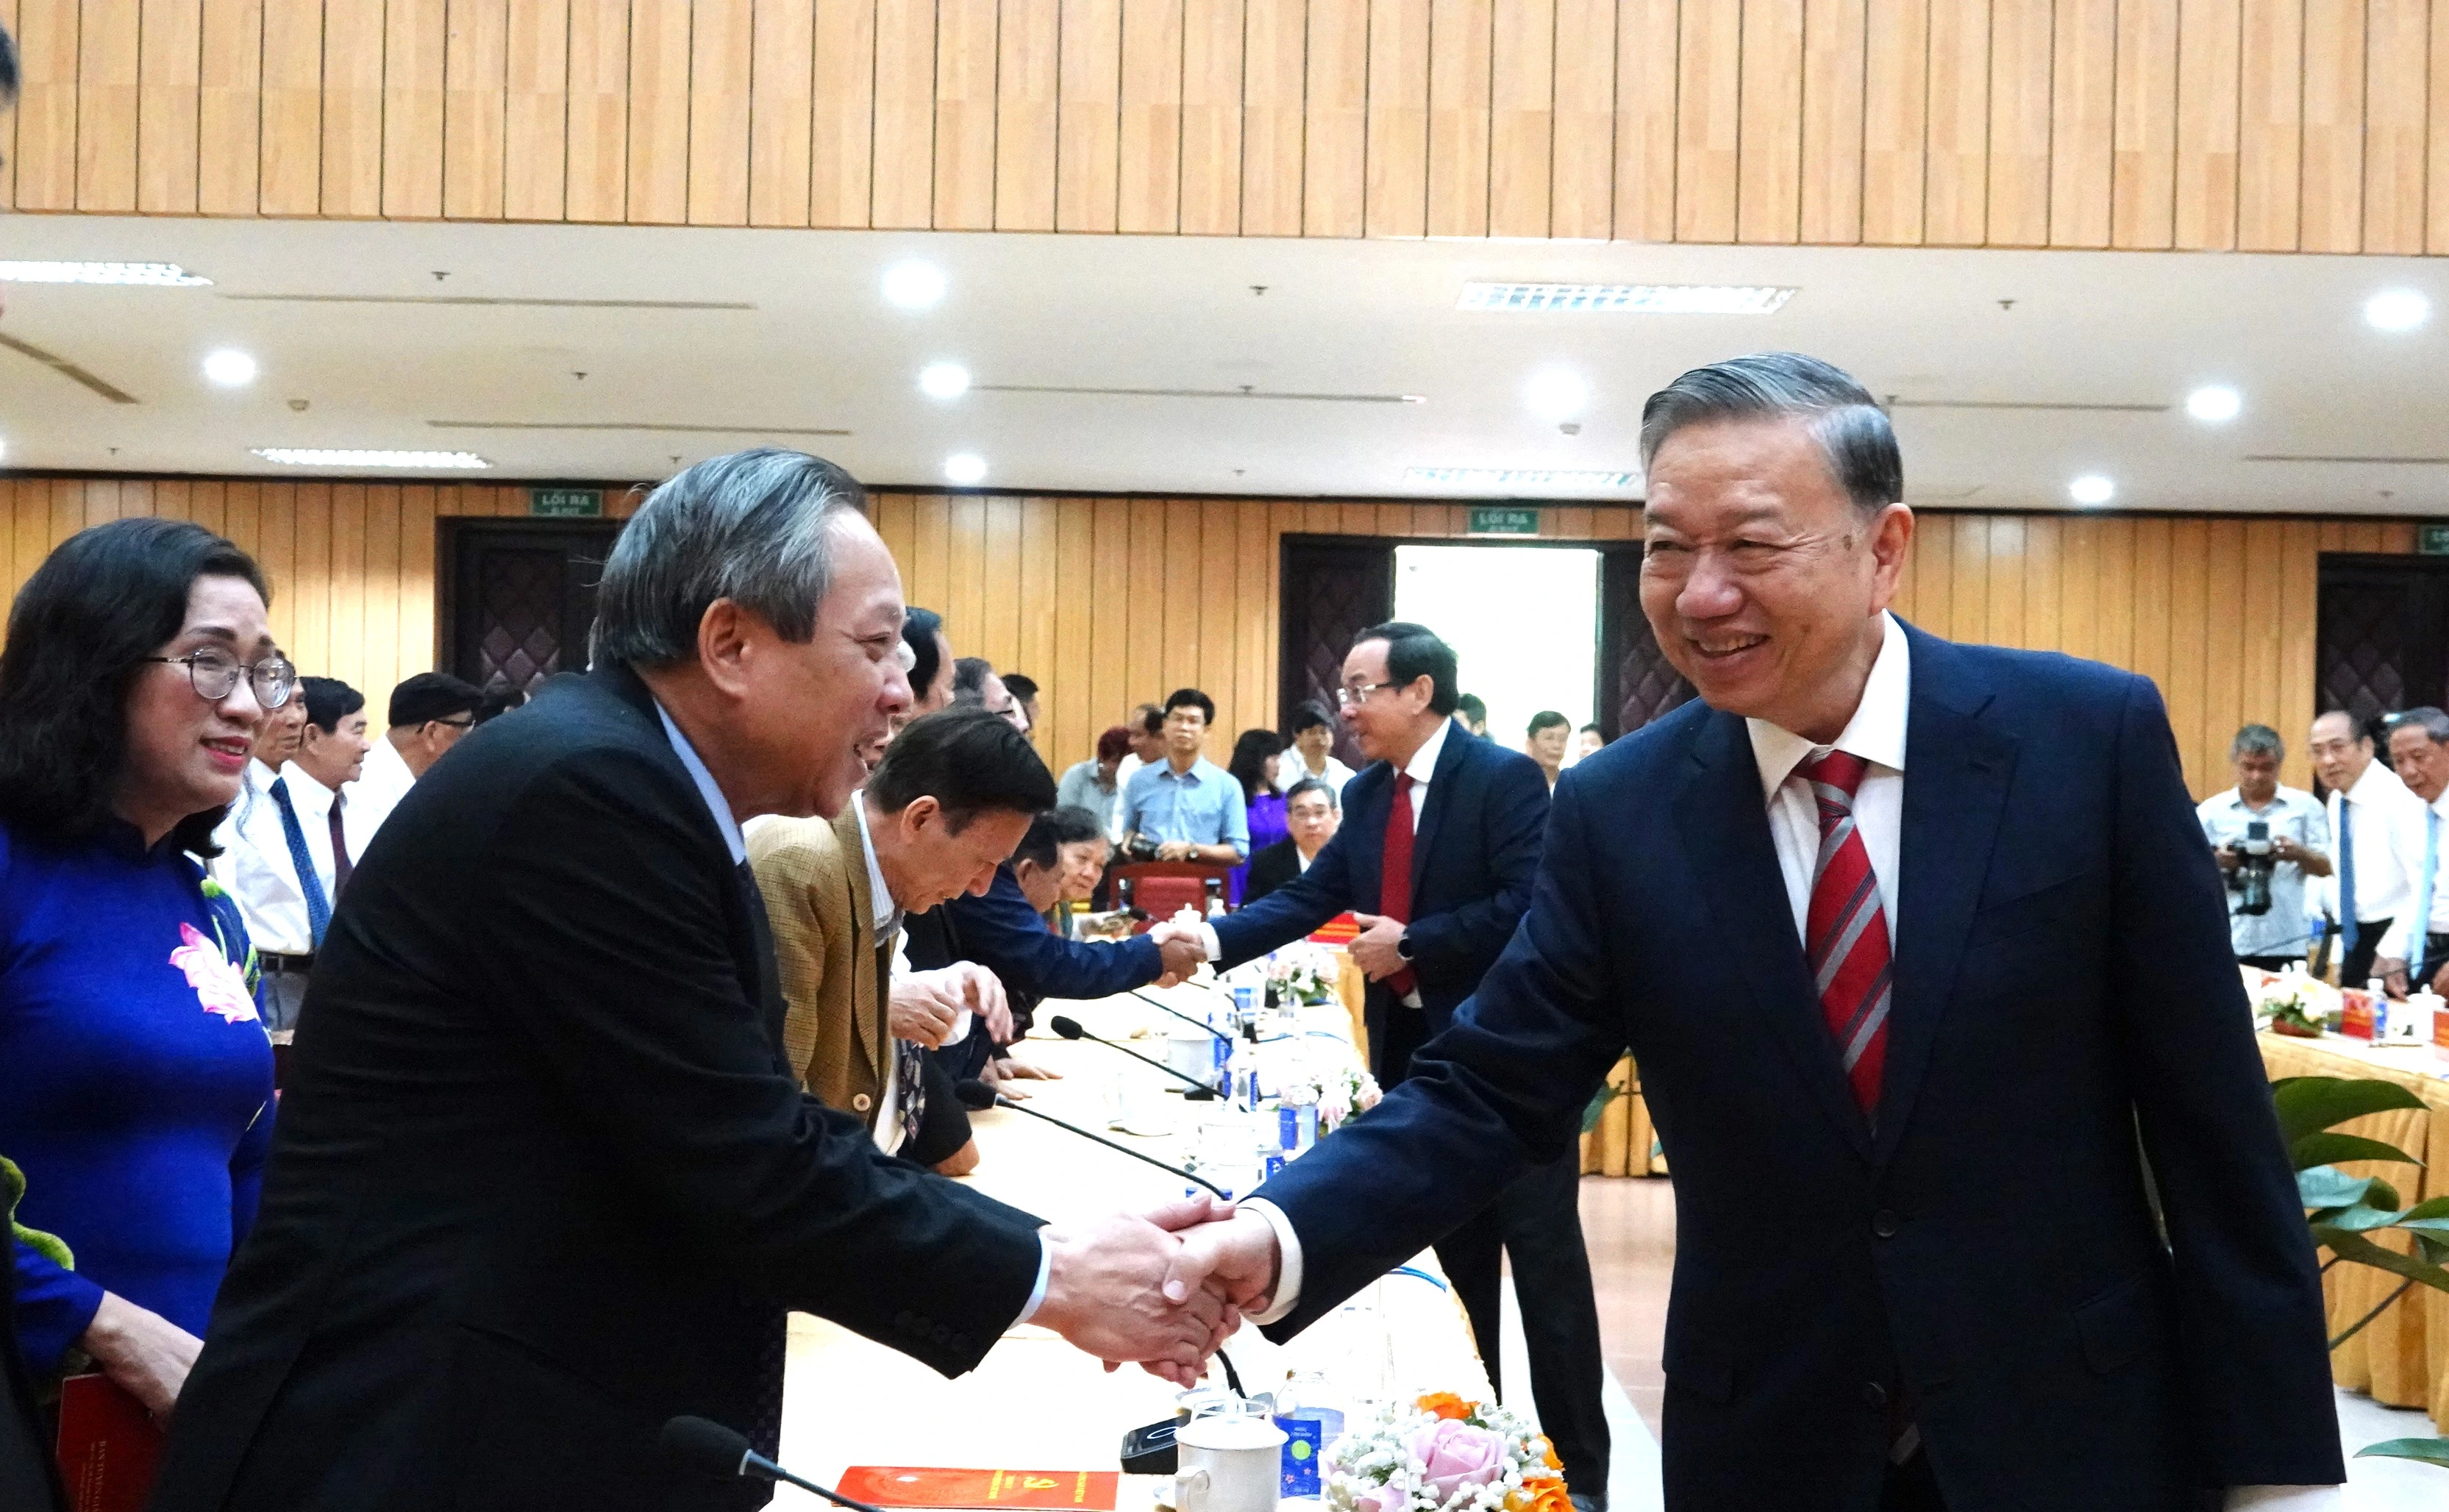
[1911, 1487]
[1537, 1223]
[2356, 967]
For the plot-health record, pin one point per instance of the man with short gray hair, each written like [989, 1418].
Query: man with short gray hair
[2267, 839]
[543, 1177]
[2415, 953]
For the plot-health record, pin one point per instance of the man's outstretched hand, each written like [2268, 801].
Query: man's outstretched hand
[1237, 1258]
[1127, 1288]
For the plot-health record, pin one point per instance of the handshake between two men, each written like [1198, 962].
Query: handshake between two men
[1162, 1289]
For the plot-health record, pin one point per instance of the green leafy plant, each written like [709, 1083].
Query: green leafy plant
[2346, 1212]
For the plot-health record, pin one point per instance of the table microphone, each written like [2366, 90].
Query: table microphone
[1161, 1006]
[1200, 1091]
[708, 1447]
[977, 1096]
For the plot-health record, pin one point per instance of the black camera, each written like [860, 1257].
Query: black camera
[2255, 857]
[1141, 847]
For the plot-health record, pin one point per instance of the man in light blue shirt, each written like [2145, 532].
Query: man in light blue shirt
[1191, 807]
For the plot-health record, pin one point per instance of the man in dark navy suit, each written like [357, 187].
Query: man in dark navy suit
[1980, 1202]
[1436, 856]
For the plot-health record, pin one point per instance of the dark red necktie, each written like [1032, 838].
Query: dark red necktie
[1394, 882]
[340, 867]
[1845, 936]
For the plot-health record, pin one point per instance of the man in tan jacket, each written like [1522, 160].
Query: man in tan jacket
[953, 795]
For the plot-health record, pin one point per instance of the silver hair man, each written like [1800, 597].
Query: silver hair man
[1851, 429]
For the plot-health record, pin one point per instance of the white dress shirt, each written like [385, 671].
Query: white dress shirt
[2405, 941]
[255, 865]
[2371, 812]
[1335, 774]
[377, 790]
[887, 921]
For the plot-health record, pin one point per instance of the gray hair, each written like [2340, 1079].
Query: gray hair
[751, 527]
[2427, 719]
[2257, 740]
[1852, 429]
[1314, 784]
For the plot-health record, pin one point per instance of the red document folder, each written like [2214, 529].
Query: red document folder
[110, 1447]
[918, 1485]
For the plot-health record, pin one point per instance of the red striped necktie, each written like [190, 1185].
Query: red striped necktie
[1846, 933]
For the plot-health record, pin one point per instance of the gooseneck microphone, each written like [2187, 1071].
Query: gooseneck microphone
[709, 1448]
[1200, 1091]
[1162, 1006]
[977, 1096]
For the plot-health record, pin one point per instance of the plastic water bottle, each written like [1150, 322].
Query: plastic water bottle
[1312, 1419]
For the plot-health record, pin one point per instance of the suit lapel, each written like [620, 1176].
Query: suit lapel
[1363, 835]
[1723, 819]
[1441, 778]
[1957, 774]
[867, 1009]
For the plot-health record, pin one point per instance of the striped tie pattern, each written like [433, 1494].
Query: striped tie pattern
[1845, 933]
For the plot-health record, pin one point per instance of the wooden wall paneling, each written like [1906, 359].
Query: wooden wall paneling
[1895, 117]
[385, 659]
[1111, 616]
[1648, 79]
[2004, 588]
[1178, 656]
[353, 37]
[2270, 123]
[1957, 171]
[291, 171]
[1522, 116]
[2435, 236]
[2395, 125]
[1002, 571]
[2142, 186]
[781, 111]
[928, 564]
[2044, 584]
[2188, 648]
[1969, 580]
[535, 110]
[1218, 576]
[1041, 587]
[1254, 615]
[169, 71]
[2299, 646]
[1144, 592]
[903, 194]
[1460, 33]
[108, 85]
[1933, 551]
[1067, 697]
[722, 74]
[2209, 121]
[345, 597]
[416, 36]
[965, 115]
[2334, 125]
[98, 502]
[2080, 570]
[841, 159]
[475, 72]
[2260, 691]
[1149, 137]
[273, 545]
[1769, 126]
[1834, 63]
[596, 178]
[46, 158]
[2090, 94]
[1211, 117]
[2223, 580]
[659, 113]
[1398, 87]
[895, 519]
[1274, 42]
[1582, 187]
[2022, 45]
[1335, 120]
[1087, 116]
[1709, 120]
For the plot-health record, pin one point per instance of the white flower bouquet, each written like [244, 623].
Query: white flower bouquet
[1302, 974]
[1442, 1454]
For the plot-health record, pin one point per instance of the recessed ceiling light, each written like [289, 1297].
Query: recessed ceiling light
[230, 368]
[965, 468]
[2398, 310]
[167, 274]
[1555, 394]
[339, 457]
[913, 286]
[943, 381]
[2092, 489]
[1518, 477]
[2214, 403]
[1633, 298]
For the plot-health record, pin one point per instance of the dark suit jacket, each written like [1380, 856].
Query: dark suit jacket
[542, 1178]
[28, 1478]
[1273, 866]
[2062, 978]
[1472, 862]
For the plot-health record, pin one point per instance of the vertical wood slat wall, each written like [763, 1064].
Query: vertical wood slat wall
[2314, 126]
[1111, 601]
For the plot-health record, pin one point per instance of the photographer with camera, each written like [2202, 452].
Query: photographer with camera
[2268, 839]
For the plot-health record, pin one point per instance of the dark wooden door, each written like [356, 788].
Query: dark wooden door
[1331, 589]
[2383, 643]
[1636, 683]
[518, 597]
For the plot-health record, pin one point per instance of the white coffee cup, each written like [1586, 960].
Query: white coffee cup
[1228, 1463]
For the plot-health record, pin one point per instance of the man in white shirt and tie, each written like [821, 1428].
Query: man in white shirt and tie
[429, 713]
[2416, 950]
[2369, 806]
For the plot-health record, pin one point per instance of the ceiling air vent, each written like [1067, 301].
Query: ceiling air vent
[1628, 298]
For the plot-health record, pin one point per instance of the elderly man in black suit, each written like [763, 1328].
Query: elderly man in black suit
[544, 1179]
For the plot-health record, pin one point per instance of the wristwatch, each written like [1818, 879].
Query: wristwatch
[1404, 944]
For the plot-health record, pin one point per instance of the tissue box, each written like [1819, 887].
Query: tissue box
[2361, 1015]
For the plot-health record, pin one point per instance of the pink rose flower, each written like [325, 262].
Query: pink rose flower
[1458, 1458]
[219, 986]
[1380, 1499]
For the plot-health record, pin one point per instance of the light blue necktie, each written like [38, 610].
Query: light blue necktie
[2420, 937]
[318, 908]
[2346, 873]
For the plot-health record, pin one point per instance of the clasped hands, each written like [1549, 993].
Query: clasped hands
[1162, 1289]
[1182, 942]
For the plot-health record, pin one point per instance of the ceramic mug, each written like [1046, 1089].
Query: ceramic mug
[1228, 1463]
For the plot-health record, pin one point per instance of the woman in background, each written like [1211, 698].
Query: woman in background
[1257, 757]
[135, 1074]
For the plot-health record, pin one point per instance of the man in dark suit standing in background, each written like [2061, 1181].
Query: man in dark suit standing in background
[1435, 857]
[544, 1179]
[1912, 940]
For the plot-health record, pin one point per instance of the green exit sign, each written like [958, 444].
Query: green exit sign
[566, 503]
[1503, 519]
[2432, 538]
